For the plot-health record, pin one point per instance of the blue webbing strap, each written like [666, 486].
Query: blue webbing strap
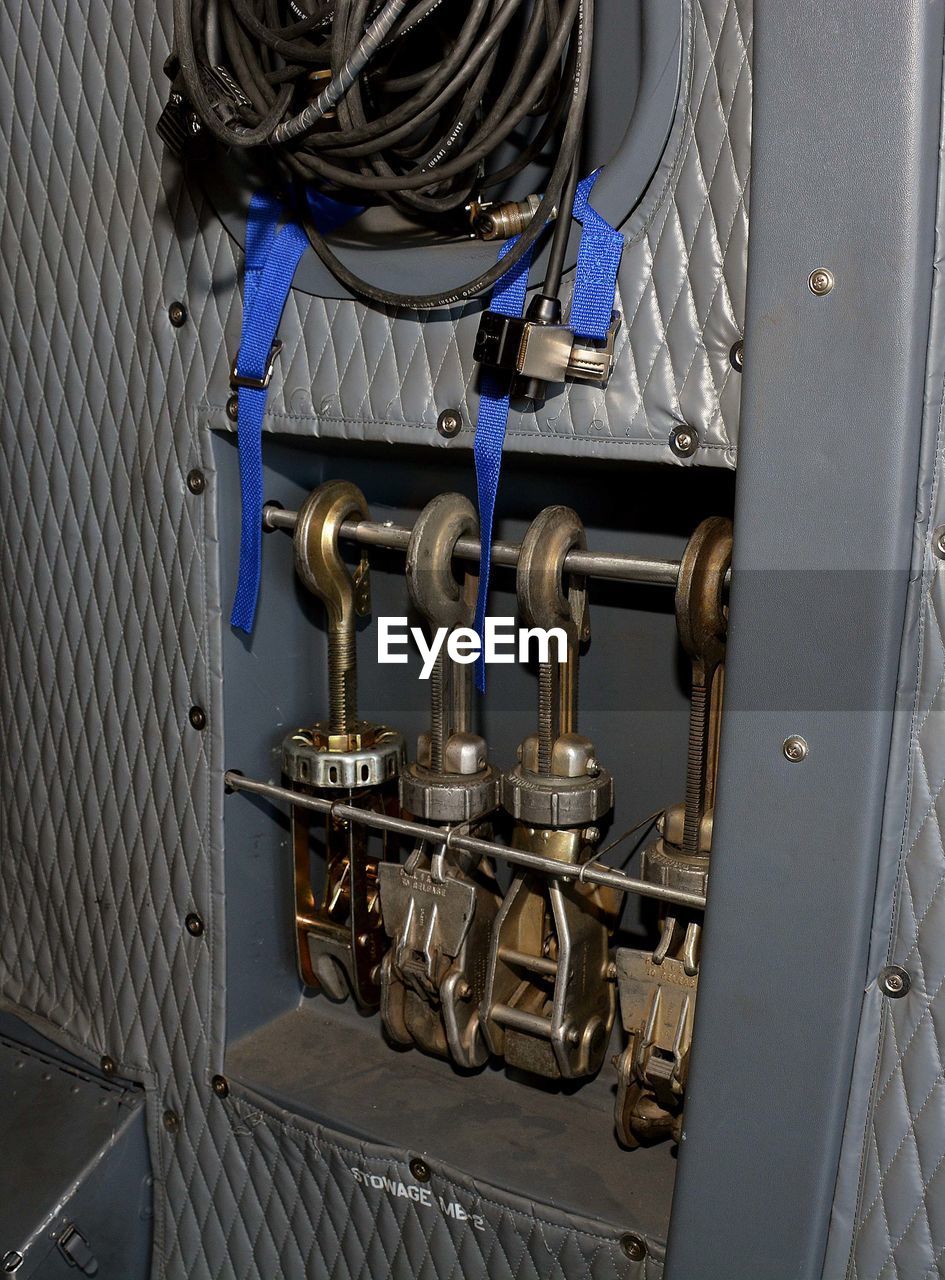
[508, 299]
[595, 281]
[591, 307]
[272, 256]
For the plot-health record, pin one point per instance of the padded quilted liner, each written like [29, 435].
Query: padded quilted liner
[110, 803]
[889, 1210]
[355, 372]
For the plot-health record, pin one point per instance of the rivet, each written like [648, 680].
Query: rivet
[233, 408]
[634, 1246]
[684, 441]
[894, 981]
[449, 423]
[220, 1086]
[108, 1066]
[737, 355]
[795, 749]
[820, 281]
[194, 925]
[196, 481]
[177, 314]
[420, 1169]
[938, 542]
[197, 717]
[171, 1121]
[12, 1261]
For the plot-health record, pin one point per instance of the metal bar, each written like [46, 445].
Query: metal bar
[532, 1024]
[594, 564]
[455, 839]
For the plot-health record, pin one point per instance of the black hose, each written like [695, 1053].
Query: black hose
[404, 102]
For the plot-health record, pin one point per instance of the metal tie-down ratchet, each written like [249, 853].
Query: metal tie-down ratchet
[340, 934]
[439, 907]
[550, 1002]
[658, 989]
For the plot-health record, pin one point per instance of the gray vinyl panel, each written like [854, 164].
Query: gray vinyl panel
[349, 371]
[887, 1218]
[825, 516]
[110, 609]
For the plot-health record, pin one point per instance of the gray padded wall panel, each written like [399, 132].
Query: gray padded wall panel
[352, 372]
[888, 1221]
[110, 804]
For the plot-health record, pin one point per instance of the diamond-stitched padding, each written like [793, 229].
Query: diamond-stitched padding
[900, 1232]
[352, 371]
[110, 803]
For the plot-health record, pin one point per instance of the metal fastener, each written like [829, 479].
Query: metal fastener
[938, 542]
[220, 1086]
[449, 423]
[108, 1066]
[177, 314]
[737, 355]
[233, 408]
[820, 281]
[12, 1261]
[894, 981]
[634, 1246]
[795, 749]
[196, 481]
[171, 1121]
[194, 925]
[684, 441]
[197, 717]
[420, 1169]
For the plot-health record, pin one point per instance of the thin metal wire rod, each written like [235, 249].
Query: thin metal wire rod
[590, 873]
[594, 564]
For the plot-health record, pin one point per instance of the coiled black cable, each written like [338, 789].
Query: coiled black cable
[416, 103]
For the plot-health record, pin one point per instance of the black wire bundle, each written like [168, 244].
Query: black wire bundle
[404, 102]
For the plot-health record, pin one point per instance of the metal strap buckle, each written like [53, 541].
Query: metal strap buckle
[250, 383]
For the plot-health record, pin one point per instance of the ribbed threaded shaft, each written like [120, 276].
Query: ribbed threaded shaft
[546, 709]
[438, 712]
[342, 681]
[695, 765]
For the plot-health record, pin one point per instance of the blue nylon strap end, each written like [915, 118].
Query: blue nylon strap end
[272, 255]
[508, 299]
[595, 282]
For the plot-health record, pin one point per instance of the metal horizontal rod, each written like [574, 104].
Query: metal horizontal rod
[588, 872]
[593, 564]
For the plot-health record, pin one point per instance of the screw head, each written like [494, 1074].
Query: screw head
[634, 1246]
[894, 981]
[233, 408]
[684, 441]
[420, 1169]
[12, 1261]
[795, 749]
[938, 542]
[171, 1121]
[108, 1066]
[194, 925]
[449, 423]
[177, 314]
[220, 1086]
[197, 717]
[820, 281]
[737, 355]
[196, 481]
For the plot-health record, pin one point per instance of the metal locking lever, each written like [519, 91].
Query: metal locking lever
[549, 1002]
[658, 989]
[439, 908]
[340, 934]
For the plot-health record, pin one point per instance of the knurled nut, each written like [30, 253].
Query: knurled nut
[543, 801]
